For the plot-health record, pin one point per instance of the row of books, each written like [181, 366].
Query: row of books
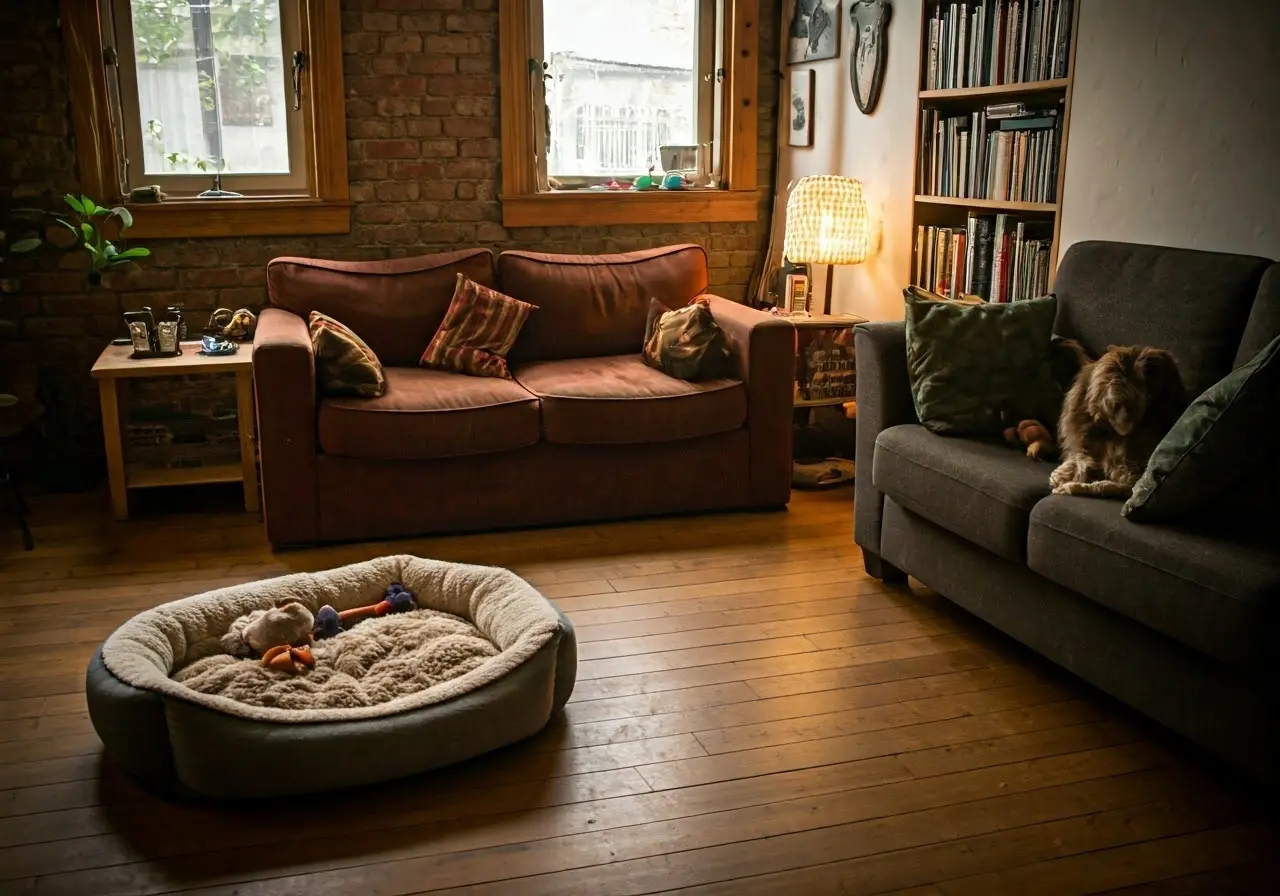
[996, 258]
[981, 43]
[1002, 152]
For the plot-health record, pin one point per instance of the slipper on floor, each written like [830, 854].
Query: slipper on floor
[824, 473]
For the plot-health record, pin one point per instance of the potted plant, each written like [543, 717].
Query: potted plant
[90, 223]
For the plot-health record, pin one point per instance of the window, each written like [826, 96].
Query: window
[245, 91]
[591, 99]
[614, 96]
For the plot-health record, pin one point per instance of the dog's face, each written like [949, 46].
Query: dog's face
[1124, 383]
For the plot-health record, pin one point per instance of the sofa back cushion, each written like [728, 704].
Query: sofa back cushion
[593, 305]
[396, 305]
[1192, 303]
[1264, 318]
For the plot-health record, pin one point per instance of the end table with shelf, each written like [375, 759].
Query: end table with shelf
[114, 364]
[824, 382]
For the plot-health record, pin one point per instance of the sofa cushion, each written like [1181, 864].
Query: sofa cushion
[395, 306]
[595, 305]
[619, 399]
[1264, 318]
[478, 330]
[1217, 593]
[430, 413]
[1192, 303]
[1217, 460]
[981, 490]
[345, 365]
[977, 368]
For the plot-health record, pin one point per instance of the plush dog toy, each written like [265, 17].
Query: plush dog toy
[253, 634]
[284, 658]
[330, 622]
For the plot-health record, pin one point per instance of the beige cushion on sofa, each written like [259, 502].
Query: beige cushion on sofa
[619, 399]
[427, 414]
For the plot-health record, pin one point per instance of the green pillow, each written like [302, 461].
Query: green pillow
[1220, 452]
[978, 368]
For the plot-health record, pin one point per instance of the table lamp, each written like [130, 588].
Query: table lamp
[827, 223]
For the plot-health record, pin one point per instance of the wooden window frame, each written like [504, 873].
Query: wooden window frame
[523, 205]
[326, 208]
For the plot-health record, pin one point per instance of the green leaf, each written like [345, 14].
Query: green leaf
[30, 244]
[88, 204]
[136, 252]
[93, 250]
[125, 216]
[75, 203]
[99, 212]
[109, 249]
[69, 226]
[87, 229]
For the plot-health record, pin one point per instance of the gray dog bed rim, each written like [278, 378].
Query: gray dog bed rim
[187, 750]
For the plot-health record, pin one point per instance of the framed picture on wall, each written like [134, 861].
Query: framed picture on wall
[801, 131]
[815, 31]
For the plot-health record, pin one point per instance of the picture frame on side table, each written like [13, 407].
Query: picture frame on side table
[800, 132]
[815, 31]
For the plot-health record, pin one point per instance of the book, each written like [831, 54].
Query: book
[962, 56]
[982, 242]
[957, 259]
[935, 39]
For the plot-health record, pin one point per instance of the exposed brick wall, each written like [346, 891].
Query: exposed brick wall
[422, 128]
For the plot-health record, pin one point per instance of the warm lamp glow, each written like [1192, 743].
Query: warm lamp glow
[827, 221]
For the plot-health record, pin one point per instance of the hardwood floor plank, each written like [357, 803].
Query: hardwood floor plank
[801, 754]
[1135, 863]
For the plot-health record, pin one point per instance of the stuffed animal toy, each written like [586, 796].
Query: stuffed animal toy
[330, 623]
[1035, 436]
[255, 633]
[293, 660]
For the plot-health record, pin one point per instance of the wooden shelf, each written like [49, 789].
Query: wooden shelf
[1005, 205]
[1027, 88]
[155, 477]
[822, 402]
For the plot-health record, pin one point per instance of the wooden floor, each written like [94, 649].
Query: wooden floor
[753, 715]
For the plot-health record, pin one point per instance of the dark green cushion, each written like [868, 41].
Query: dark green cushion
[1220, 451]
[977, 368]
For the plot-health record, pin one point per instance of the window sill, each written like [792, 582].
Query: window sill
[587, 208]
[239, 217]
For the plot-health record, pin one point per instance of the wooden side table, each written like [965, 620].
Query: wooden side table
[808, 327]
[114, 364]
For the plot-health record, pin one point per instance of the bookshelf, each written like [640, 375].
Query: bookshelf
[981, 170]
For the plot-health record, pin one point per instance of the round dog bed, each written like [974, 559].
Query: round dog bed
[190, 742]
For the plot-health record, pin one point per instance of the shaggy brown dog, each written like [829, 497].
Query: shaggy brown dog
[1066, 357]
[1116, 412]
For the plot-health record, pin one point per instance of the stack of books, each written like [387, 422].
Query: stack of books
[1005, 152]
[996, 258]
[981, 43]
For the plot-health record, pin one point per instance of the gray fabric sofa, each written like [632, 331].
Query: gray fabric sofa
[1178, 622]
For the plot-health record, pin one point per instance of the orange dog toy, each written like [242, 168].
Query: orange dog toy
[284, 658]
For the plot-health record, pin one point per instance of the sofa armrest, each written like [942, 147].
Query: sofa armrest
[884, 400]
[764, 347]
[284, 382]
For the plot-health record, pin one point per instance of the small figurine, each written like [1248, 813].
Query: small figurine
[674, 180]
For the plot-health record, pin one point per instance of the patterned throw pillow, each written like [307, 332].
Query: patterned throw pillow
[686, 343]
[344, 364]
[977, 368]
[478, 330]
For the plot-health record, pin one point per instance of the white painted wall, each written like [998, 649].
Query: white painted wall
[1175, 125]
[1175, 135]
[877, 150]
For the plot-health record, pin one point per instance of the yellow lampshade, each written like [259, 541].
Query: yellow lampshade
[827, 221]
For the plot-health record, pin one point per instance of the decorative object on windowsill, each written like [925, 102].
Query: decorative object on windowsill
[87, 222]
[827, 223]
[674, 180]
[645, 181]
[234, 325]
[147, 194]
[217, 192]
[801, 130]
[815, 31]
[869, 20]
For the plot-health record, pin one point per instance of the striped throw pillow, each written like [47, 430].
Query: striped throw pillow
[345, 365]
[478, 330]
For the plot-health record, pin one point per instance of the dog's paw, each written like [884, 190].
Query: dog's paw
[1071, 488]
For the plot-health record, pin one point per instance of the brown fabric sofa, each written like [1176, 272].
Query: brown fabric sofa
[584, 431]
